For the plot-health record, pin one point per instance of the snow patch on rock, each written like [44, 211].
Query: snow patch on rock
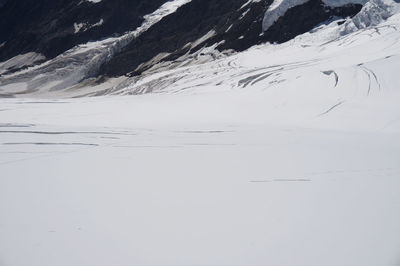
[279, 7]
[20, 61]
[82, 27]
[337, 3]
[249, 2]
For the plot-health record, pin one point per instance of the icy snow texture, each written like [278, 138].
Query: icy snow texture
[374, 12]
[20, 61]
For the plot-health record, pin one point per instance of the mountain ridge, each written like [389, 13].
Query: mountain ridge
[192, 32]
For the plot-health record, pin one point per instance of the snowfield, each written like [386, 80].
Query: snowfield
[283, 155]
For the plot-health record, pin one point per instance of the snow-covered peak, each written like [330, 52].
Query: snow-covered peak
[373, 13]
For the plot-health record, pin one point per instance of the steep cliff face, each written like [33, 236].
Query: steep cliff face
[51, 27]
[2, 2]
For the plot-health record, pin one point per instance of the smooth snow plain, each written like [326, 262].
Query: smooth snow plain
[281, 155]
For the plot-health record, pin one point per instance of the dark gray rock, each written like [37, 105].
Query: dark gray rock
[47, 26]
[236, 28]
[2, 2]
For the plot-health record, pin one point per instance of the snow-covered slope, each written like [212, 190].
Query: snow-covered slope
[306, 57]
[75, 65]
[375, 12]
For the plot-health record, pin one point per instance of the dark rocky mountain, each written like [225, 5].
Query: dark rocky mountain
[51, 27]
[303, 18]
[236, 27]
[48, 26]
[2, 2]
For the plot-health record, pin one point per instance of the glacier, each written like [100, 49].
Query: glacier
[279, 155]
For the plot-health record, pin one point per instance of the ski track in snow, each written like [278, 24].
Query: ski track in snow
[184, 174]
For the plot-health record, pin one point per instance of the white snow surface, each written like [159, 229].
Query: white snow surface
[280, 155]
[375, 12]
[82, 27]
[19, 61]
